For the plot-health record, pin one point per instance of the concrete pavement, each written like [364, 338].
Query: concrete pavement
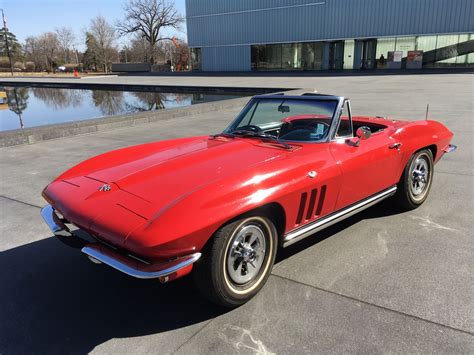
[381, 281]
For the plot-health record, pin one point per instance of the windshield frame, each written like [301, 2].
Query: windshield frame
[254, 101]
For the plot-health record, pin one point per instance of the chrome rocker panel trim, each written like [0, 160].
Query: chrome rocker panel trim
[313, 227]
[135, 268]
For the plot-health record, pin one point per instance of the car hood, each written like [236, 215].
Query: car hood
[166, 175]
[144, 181]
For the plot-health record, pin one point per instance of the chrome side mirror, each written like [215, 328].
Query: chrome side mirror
[363, 133]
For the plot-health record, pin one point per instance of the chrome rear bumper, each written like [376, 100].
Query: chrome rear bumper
[126, 263]
[450, 148]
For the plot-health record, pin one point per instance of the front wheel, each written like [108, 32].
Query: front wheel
[238, 261]
[416, 180]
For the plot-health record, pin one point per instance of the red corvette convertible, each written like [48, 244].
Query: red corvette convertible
[222, 205]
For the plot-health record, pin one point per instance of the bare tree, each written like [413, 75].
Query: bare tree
[66, 39]
[105, 36]
[31, 49]
[147, 18]
[49, 46]
[42, 50]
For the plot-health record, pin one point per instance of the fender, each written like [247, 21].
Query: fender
[196, 216]
[420, 134]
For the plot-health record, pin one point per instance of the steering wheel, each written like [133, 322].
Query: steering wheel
[251, 128]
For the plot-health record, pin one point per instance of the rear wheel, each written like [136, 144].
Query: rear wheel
[238, 261]
[415, 183]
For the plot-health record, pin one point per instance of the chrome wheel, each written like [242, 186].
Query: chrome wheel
[420, 176]
[238, 260]
[415, 182]
[246, 254]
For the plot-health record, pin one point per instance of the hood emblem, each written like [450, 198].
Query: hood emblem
[105, 188]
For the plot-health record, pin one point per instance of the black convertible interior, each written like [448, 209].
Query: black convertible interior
[304, 130]
[314, 129]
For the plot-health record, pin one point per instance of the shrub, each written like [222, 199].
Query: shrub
[30, 66]
[4, 62]
[19, 65]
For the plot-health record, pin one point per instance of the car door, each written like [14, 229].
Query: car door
[368, 166]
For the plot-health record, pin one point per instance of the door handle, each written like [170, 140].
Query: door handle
[395, 146]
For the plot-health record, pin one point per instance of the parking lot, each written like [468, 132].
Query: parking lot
[381, 281]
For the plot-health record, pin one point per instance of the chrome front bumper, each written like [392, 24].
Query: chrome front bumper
[126, 263]
[55, 223]
[134, 267]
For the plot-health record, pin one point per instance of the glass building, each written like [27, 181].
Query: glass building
[287, 35]
[437, 51]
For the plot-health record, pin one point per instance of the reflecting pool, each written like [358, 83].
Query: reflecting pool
[23, 107]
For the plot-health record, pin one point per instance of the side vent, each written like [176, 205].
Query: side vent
[304, 197]
[321, 201]
[311, 211]
[312, 201]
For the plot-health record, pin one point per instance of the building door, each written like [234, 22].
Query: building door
[369, 50]
[336, 55]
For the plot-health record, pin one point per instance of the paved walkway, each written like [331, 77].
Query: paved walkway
[382, 281]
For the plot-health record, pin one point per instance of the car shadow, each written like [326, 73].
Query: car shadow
[53, 300]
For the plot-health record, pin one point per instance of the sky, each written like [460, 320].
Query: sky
[32, 17]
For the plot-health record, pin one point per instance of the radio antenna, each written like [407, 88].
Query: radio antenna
[427, 110]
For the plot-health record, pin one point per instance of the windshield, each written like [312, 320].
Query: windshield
[287, 119]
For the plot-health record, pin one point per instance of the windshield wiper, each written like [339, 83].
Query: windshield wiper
[263, 136]
[222, 134]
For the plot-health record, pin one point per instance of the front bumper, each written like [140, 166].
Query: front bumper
[126, 263]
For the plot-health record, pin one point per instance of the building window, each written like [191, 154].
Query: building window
[438, 51]
[425, 43]
[288, 56]
[266, 57]
[195, 58]
[312, 56]
[384, 45]
[336, 55]
[466, 59]
[368, 48]
[291, 56]
[257, 54]
[273, 57]
[405, 44]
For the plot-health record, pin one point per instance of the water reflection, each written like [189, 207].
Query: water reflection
[109, 102]
[59, 98]
[149, 101]
[17, 102]
[29, 107]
